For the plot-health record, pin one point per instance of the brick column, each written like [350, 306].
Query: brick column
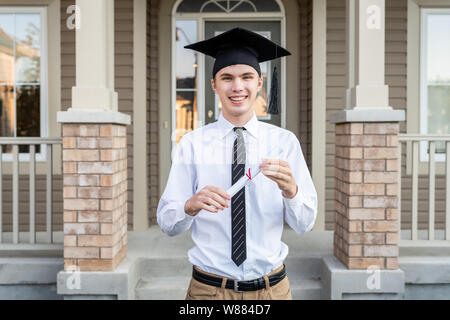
[95, 196]
[366, 190]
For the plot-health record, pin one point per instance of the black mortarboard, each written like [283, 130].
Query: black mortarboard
[241, 46]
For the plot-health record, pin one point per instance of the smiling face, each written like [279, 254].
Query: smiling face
[237, 87]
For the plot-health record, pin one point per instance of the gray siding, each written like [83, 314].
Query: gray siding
[305, 74]
[335, 78]
[123, 37]
[396, 71]
[152, 108]
[24, 203]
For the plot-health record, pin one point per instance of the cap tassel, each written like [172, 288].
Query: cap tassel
[273, 105]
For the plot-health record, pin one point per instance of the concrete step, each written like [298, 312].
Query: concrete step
[162, 288]
[305, 289]
[38, 250]
[422, 270]
[29, 278]
[30, 270]
[168, 278]
[165, 267]
[175, 288]
[308, 267]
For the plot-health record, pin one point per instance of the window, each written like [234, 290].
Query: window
[228, 6]
[186, 78]
[435, 78]
[23, 98]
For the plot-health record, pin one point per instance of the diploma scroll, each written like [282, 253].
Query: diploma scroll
[254, 172]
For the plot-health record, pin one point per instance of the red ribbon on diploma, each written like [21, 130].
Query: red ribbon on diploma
[249, 175]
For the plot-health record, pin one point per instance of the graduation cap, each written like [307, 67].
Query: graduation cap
[241, 46]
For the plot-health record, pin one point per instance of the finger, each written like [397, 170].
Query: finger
[271, 161]
[209, 208]
[214, 203]
[206, 200]
[222, 203]
[208, 204]
[221, 192]
[219, 199]
[278, 168]
[283, 170]
[284, 163]
[276, 174]
[276, 161]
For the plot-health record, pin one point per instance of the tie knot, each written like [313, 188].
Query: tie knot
[238, 128]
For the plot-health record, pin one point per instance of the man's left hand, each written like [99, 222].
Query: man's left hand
[280, 172]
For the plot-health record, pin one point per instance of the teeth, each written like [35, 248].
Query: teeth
[238, 99]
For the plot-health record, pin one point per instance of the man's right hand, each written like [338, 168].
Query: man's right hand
[209, 198]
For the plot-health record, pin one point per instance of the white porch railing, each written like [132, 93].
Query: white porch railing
[435, 237]
[36, 239]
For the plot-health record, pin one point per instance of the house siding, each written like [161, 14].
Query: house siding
[335, 91]
[305, 74]
[152, 108]
[123, 37]
[40, 203]
[395, 78]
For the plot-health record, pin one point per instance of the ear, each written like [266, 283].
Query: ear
[213, 85]
[260, 83]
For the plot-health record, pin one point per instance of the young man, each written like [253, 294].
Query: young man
[238, 251]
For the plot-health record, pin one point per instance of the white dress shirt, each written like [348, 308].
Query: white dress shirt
[204, 157]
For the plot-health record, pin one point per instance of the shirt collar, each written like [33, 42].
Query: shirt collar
[226, 126]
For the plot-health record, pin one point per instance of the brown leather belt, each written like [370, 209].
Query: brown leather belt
[239, 286]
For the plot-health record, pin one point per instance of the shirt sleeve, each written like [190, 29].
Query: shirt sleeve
[300, 211]
[170, 214]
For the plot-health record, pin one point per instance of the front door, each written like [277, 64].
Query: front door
[268, 29]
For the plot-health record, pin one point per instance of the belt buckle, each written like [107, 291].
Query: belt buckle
[236, 286]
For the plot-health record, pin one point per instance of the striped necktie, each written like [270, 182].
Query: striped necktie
[238, 241]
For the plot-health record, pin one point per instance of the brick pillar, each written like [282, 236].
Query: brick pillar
[366, 195]
[95, 196]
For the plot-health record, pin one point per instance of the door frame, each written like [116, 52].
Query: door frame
[202, 18]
